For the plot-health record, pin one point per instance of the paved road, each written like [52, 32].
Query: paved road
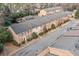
[44, 42]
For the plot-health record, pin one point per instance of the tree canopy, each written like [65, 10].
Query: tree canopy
[77, 14]
[5, 36]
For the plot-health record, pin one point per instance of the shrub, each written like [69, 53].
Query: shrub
[34, 35]
[53, 26]
[2, 30]
[41, 33]
[23, 42]
[15, 43]
[45, 29]
[49, 29]
[1, 47]
[29, 38]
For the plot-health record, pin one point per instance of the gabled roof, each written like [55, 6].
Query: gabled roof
[25, 26]
[71, 33]
[67, 44]
[75, 28]
[52, 9]
[69, 41]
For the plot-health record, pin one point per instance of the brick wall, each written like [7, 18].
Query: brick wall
[15, 36]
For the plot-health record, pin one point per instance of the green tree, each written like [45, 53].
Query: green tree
[5, 36]
[1, 47]
[77, 14]
[7, 23]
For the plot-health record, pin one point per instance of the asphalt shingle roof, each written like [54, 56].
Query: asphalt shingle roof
[72, 33]
[75, 28]
[29, 24]
[68, 41]
[52, 9]
[68, 44]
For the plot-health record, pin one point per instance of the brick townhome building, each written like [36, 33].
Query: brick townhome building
[22, 30]
[48, 11]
